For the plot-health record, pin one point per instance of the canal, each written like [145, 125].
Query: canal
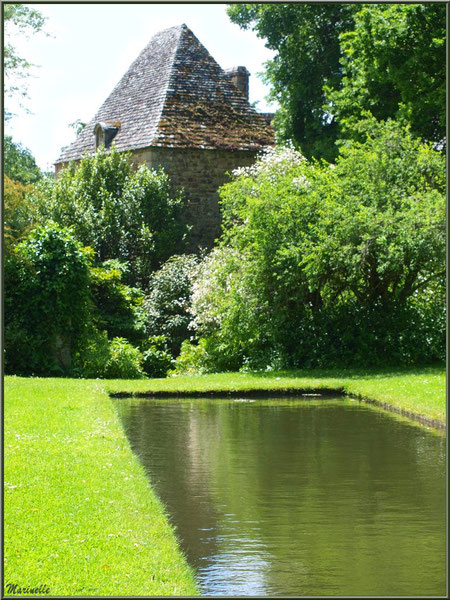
[297, 497]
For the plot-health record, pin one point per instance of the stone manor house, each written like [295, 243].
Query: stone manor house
[176, 107]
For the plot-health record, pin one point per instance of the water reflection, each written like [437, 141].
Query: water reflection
[297, 497]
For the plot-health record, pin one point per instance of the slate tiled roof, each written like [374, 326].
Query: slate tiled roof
[176, 95]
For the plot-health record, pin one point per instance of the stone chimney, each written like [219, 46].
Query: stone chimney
[239, 76]
[268, 116]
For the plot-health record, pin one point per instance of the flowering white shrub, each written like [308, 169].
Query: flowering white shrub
[277, 160]
[213, 280]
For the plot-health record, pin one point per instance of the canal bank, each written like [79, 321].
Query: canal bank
[417, 394]
[79, 516]
[288, 393]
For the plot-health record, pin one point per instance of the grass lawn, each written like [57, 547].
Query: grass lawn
[80, 516]
[419, 391]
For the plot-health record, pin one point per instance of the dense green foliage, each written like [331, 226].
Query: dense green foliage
[125, 223]
[157, 358]
[124, 361]
[19, 214]
[306, 40]
[105, 358]
[64, 316]
[47, 302]
[335, 62]
[393, 65]
[19, 164]
[329, 264]
[122, 213]
[198, 358]
[336, 262]
[167, 305]
[117, 307]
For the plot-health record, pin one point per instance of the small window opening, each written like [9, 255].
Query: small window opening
[105, 132]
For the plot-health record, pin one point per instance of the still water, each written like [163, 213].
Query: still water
[297, 497]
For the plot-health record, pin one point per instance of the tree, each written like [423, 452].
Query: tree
[326, 264]
[393, 66]
[19, 213]
[18, 19]
[306, 40]
[337, 62]
[78, 125]
[380, 228]
[122, 213]
[19, 163]
[117, 307]
[47, 301]
[168, 300]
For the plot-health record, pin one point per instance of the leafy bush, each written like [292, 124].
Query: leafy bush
[19, 163]
[157, 360]
[193, 358]
[47, 301]
[168, 300]
[19, 213]
[329, 264]
[122, 213]
[227, 310]
[101, 358]
[93, 354]
[124, 361]
[392, 64]
[117, 307]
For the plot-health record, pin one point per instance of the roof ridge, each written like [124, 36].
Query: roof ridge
[141, 54]
[175, 94]
[172, 69]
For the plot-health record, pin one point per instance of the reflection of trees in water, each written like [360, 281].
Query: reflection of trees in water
[328, 498]
[163, 435]
[333, 491]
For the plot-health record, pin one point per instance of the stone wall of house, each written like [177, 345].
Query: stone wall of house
[200, 173]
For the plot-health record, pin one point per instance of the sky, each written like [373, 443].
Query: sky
[90, 48]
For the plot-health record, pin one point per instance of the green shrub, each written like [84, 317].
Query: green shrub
[117, 307]
[122, 213]
[93, 355]
[193, 358]
[47, 301]
[227, 310]
[329, 264]
[19, 163]
[101, 358]
[124, 361]
[19, 213]
[167, 304]
[157, 360]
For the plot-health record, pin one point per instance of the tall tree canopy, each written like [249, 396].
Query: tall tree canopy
[335, 63]
[306, 39]
[122, 213]
[19, 163]
[393, 65]
[329, 264]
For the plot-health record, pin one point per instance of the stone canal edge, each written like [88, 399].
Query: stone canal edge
[285, 392]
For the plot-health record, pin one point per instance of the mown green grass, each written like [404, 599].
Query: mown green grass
[420, 391]
[80, 516]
